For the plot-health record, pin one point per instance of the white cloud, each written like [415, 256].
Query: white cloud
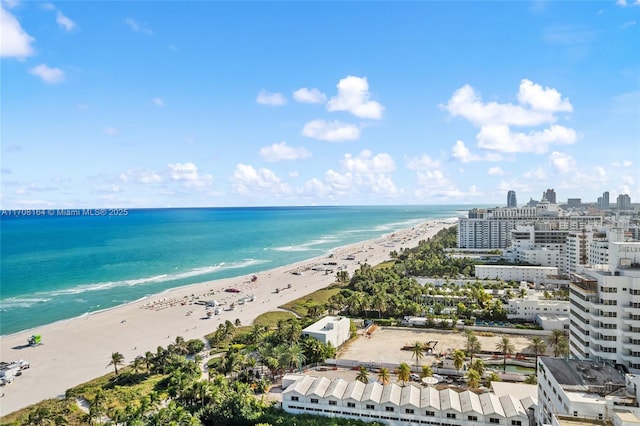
[135, 26]
[48, 6]
[495, 171]
[353, 96]
[332, 131]
[623, 163]
[158, 102]
[501, 138]
[467, 104]
[112, 131]
[141, 176]
[462, 153]
[273, 99]
[47, 74]
[366, 163]
[16, 43]
[65, 22]
[422, 163]
[281, 151]
[544, 99]
[187, 174]
[628, 24]
[563, 163]
[183, 171]
[248, 180]
[624, 3]
[538, 173]
[313, 96]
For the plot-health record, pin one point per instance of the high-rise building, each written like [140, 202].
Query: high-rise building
[492, 228]
[574, 202]
[605, 200]
[605, 308]
[550, 195]
[511, 199]
[623, 202]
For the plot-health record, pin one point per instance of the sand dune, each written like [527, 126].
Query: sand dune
[79, 350]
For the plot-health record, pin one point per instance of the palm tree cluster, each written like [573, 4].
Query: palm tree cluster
[262, 351]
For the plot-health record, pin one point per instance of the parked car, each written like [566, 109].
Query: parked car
[414, 377]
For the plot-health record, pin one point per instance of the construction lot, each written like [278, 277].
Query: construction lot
[385, 344]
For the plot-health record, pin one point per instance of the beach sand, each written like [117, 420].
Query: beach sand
[78, 350]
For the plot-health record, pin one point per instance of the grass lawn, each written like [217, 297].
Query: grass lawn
[320, 297]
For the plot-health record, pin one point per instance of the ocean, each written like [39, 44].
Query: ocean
[55, 266]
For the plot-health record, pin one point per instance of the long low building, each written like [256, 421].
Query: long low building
[535, 274]
[397, 405]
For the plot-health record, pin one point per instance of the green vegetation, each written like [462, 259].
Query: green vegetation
[167, 387]
[316, 303]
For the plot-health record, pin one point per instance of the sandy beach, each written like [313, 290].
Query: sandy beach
[79, 349]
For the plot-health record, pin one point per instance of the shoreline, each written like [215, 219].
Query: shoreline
[76, 350]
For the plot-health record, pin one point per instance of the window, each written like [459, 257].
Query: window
[370, 407]
[351, 404]
[516, 423]
[295, 398]
[472, 418]
[333, 403]
[409, 411]
[314, 400]
[451, 415]
[494, 420]
[388, 409]
[430, 413]
[575, 414]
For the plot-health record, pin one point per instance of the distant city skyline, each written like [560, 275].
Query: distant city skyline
[195, 104]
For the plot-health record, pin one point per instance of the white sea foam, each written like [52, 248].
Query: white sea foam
[20, 302]
[108, 285]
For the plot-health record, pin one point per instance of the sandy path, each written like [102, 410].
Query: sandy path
[79, 350]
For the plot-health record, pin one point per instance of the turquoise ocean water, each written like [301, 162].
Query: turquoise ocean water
[57, 267]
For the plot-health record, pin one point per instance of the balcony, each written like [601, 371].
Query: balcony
[631, 322]
[631, 346]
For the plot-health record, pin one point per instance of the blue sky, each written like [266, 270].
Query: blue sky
[177, 104]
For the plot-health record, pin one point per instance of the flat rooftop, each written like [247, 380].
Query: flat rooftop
[571, 372]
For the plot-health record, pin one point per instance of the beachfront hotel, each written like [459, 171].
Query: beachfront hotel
[492, 228]
[397, 405]
[605, 309]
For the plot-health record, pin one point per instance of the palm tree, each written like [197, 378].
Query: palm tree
[384, 375]
[363, 375]
[478, 365]
[493, 377]
[562, 348]
[256, 334]
[427, 371]
[554, 339]
[418, 351]
[137, 364]
[116, 359]
[469, 335]
[539, 347]
[531, 380]
[474, 347]
[473, 378]
[458, 359]
[404, 372]
[179, 347]
[505, 347]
